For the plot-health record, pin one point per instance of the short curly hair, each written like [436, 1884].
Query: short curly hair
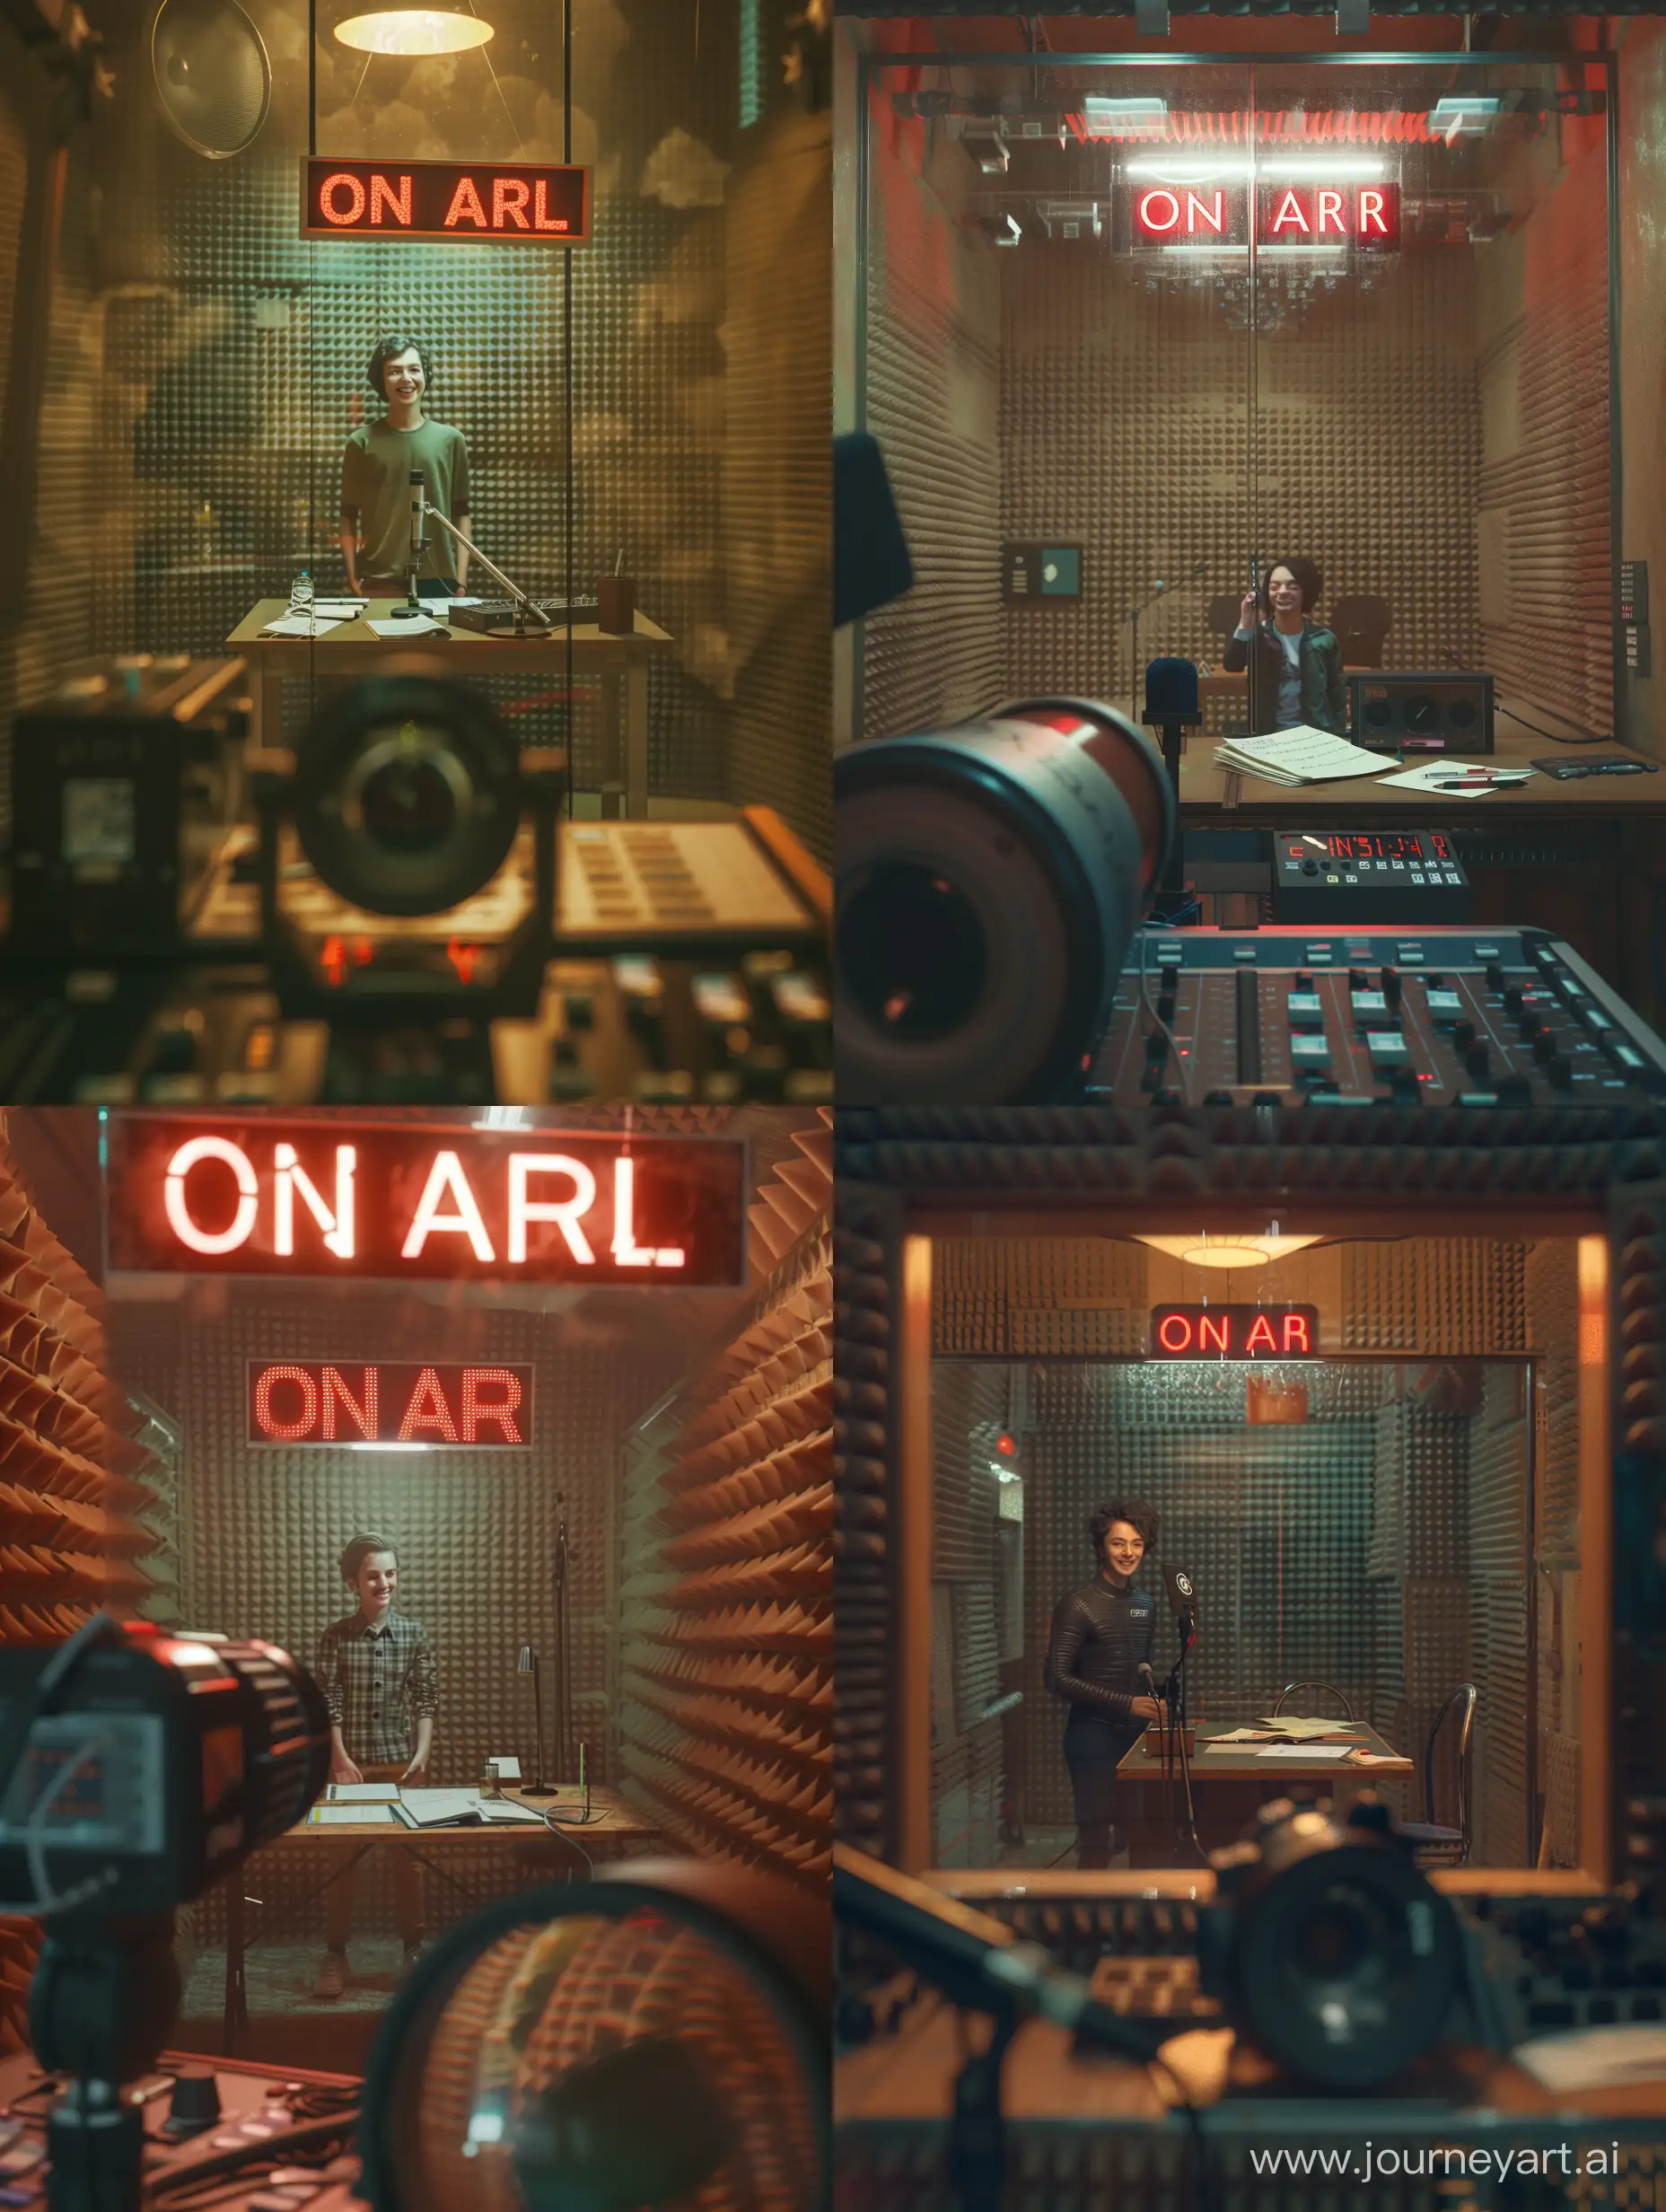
[364, 1544]
[1138, 1512]
[1306, 573]
[389, 348]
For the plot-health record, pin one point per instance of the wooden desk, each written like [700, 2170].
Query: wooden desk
[1227, 1786]
[351, 649]
[1578, 858]
[613, 1821]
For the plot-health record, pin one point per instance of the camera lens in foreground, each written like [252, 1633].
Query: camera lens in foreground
[990, 877]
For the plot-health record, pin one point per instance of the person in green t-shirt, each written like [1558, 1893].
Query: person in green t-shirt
[375, 484]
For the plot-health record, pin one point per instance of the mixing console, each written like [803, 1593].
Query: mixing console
[634, 1027]
[282, 2141]
[1449, 1016]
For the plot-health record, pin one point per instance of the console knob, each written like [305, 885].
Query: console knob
[1559, 1072]
[1544, 1048]
[193, 2104]
[1392, 988]
[1475, 1059]
[1512, 1000]
[1463, 1035]
[1495, 974]
[1310, 867]
[1530, 1025]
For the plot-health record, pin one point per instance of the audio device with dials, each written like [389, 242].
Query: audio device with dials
[124, 783]
[1443, 1015]
[1368, 875]
[1422, 710]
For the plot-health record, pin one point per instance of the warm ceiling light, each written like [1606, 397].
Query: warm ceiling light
[414, 30]
[1231, 1250]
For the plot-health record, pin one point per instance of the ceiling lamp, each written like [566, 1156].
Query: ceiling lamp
[1234, 1249]
[413, 31]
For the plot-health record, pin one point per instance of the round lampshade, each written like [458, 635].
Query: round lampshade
[413, 31]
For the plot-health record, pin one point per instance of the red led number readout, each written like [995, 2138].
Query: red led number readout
[387, 1402]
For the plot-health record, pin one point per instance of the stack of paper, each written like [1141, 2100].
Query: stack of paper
[1300, 756]
[1301, 1729]
[313, 625]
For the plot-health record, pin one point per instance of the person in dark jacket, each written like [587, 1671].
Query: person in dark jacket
[1101, 1634]
[1298, 663]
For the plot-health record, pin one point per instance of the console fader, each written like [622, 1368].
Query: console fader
[1447, 1016]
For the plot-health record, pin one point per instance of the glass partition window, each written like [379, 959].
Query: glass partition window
[206, 385]
[1131, 337]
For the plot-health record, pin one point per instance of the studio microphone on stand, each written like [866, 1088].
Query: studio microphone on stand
[413, 553]
[1172, 708]
[1183, 1604]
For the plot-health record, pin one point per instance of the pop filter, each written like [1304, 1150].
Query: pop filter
[212, 75]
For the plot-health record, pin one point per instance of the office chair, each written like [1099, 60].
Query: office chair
[1434, 1844]
[1330, 1689]
[1362, 623]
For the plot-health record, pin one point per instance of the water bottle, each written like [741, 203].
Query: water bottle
[301, 593]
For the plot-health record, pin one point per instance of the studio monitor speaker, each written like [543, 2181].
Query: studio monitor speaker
[212, 74]
[1423, 710]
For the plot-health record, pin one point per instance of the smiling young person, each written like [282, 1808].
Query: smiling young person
[1101, 1632]
[375, 482]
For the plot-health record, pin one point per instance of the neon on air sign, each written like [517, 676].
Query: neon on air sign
[1234, 1332]
[316, 1402]
[263, 1196]
[494, 203]
[1364, 216]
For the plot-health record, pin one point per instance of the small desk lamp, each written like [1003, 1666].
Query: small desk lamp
[528, 1664]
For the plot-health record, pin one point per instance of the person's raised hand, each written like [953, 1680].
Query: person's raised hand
[342, 1769]
[1247, 611]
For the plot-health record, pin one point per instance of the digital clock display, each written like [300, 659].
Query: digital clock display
[1373, 845]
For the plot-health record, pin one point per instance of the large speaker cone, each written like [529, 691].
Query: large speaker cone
[212, 73]
[990, 877]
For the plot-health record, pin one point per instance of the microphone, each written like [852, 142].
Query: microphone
[581, 2147]
[1182, 1595]
[416, 507]
[1171, 708]
[1150, 1679]
[971, 1958]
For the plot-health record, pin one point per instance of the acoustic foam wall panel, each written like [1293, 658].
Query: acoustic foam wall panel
[1081, 1294]
[1433, 1294]
[727, 1699]
[262, 1527]
[1545, 481]
[931, 378]
[74, 1498]
[1125, 427]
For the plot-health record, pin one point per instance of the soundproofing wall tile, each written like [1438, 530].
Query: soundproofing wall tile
[1427, 1294]
[1077, 1295]
[75, 1475]
[1135, 423]
[726, 1721]
[1552, 1330]
[930, 381]
[1546, 516]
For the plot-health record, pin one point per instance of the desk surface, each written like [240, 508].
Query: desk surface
[353, 633]
[1207, 789]
[611, 1815]
[1246, 1765]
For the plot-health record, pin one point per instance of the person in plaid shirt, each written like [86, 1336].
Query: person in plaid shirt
[377, 1673]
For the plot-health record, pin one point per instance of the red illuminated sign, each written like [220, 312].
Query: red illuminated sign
[335, 1198]
[516, 203]
[312, 1402]
[1234, 1332]
[1365, 216]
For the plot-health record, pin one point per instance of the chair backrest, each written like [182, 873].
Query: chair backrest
[1330, 1688]
[1458, 1711]
[1362, 623]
